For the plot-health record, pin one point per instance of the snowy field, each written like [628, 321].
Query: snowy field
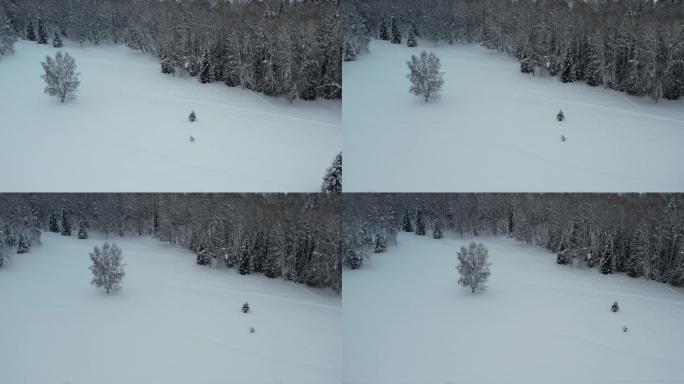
[172, 322]
[407, 321]
[494, 130]
[128, 130]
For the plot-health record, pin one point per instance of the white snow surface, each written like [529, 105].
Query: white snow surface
[128, 130]
[494, 130]
[406, 320]
[172, 322]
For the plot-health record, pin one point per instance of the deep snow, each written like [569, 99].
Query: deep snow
[494, 130]
[172, 322]
[128, 130]
[407, 321]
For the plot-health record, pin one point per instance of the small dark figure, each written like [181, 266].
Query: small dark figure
[245, 308]
[560, 116]
[624, 328]
[192, 117]
[615, 307]
[192, 139]
[563, 138]
[251, 329]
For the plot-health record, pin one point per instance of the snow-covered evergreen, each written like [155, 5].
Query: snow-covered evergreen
[66, 224]
[420, 223]
[42, 33]
[57, 41]
[332, 181]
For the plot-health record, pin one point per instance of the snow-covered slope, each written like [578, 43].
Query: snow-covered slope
[494, 130]
[407, 321]
[128, 130]
[172, 322]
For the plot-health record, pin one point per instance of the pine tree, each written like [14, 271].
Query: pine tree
[7, 35]
[560, 116]
[66, 224]
[167, 66]
[606, 262]
[245, 307]
[526, 64]
[425, 76]
[615, 307]
[23, 245]
[380, 244]
[30, 32]
[639, 260]
[57, 41]
[437, 230]
[244, 258]
[332, 181]
[42, 34]
[82, 230]
[411, 39]
[203, 256]
[568, 67]
[396, 35]
[192, 117]
[406, 222]
[420, 224]
[53, 225]
[384, 35]
[594, 70]
[205, 69]
[107, 267]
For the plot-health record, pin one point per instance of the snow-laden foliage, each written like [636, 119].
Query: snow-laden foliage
[473, 267]
[7, 35]
[295, 237]
[641, 235]
[425, 76]
[107, 267]
[61, 76]
[280, 48]
[57, 41]
[332, 181]
[635, 46]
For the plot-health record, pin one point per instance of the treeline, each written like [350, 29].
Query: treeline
[641, 235]
[278, 47]
[7, 34]
[295, 236]
[634, 46]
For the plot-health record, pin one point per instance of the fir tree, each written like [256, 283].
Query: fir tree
[66, 224]
[406, 222]
[30, 32]
[593, 73]
[82, 230]
[615, 307]
[380, 244]
[384, 35]
[568, 68]
[53, 225]
[437, 230]
[57, 41]
[411, 39]
[167, 66]
[203, 256]
[23, 245]
[560, 116]
[244, 258]
[396, 35]
[526, 64]
[42, 34]
[205, 69]
[192, 117]
[420, 224]
[245, 307]
[332, 181]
